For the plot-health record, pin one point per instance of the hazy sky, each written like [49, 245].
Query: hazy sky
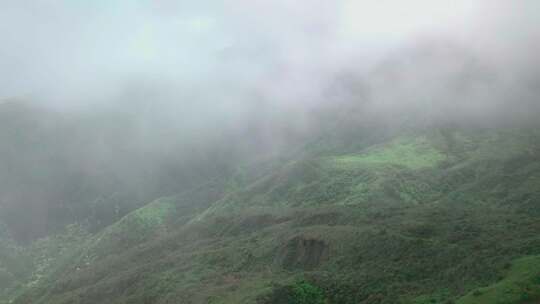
[69, 52]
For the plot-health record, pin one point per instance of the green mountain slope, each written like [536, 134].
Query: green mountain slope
[443, 216]
[520, 285]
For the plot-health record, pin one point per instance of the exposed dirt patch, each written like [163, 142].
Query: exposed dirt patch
[303, 253]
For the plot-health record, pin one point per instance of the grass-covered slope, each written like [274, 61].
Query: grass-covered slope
[15, 265]
[409, 152]
[446, 216]
[520, 285]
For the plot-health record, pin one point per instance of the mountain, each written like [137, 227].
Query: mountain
[418, 183]
[445, 214]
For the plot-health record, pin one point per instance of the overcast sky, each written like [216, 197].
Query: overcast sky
[68, 52]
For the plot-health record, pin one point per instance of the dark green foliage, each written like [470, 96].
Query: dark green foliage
[300, 292]
[305, 293]
[377, 232]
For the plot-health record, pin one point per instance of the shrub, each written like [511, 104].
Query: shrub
[305, 293]
[299, 293]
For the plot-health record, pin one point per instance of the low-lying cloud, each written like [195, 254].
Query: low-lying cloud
[220, 58]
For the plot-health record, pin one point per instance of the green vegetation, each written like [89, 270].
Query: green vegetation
[300, 292]
[521, 285]
[431, 218]
[305, 293]
[412, 153]
[155, 213]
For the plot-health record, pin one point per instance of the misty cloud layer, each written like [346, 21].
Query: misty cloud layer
[74, 53]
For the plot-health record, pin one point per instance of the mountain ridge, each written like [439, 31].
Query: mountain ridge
[325, 224]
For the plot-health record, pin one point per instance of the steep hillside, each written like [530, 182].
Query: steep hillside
[441, 216]
[93, 167]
